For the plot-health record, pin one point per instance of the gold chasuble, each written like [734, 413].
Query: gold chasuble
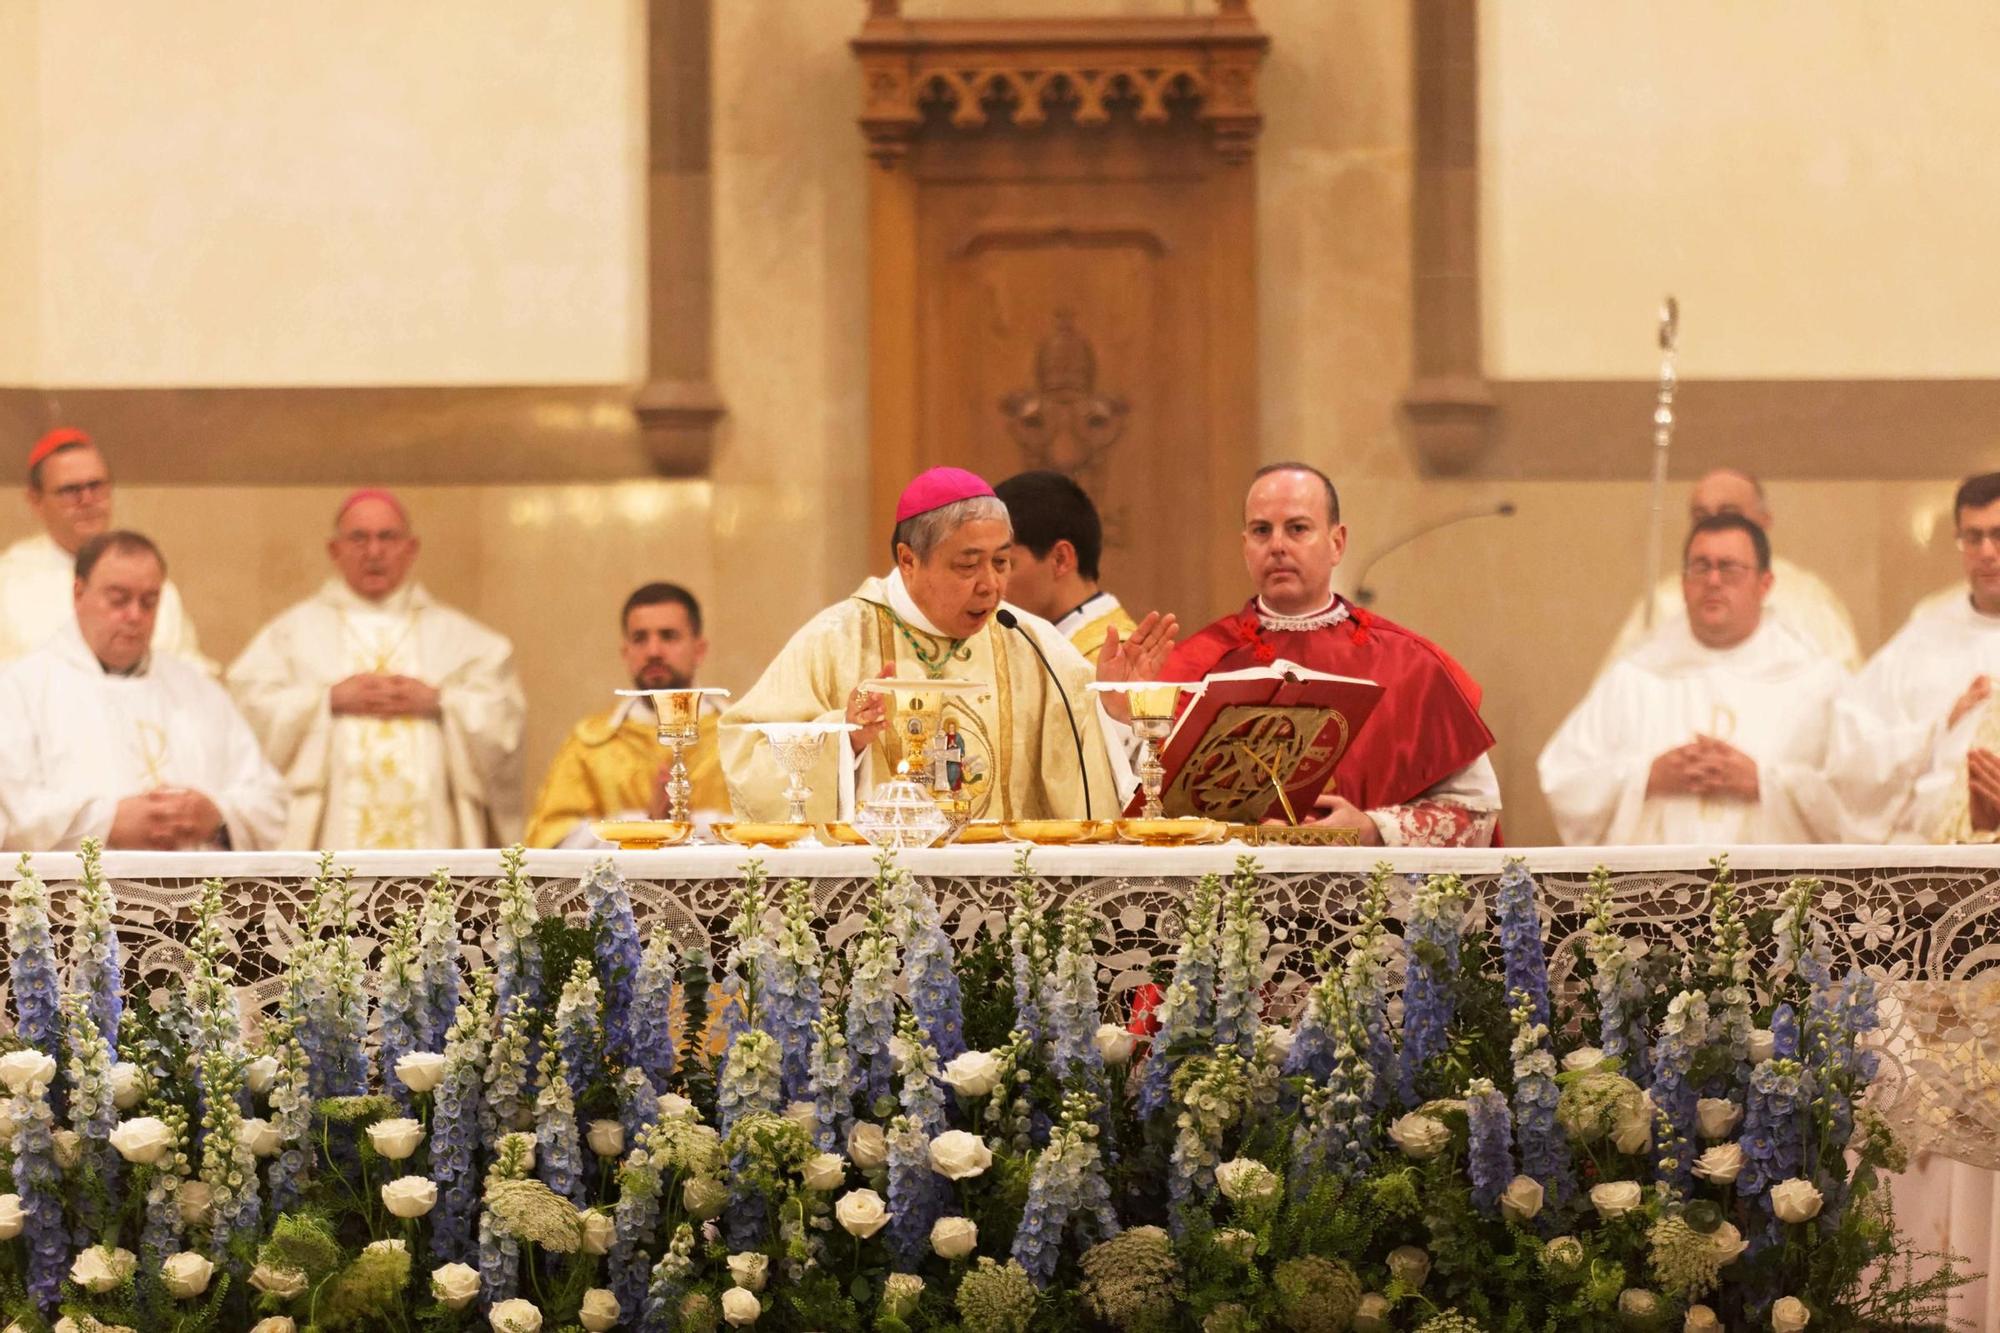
[1085, 626]
[609, 768]
[1020, 761]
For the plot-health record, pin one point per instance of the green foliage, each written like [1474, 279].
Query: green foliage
[366, 1294]
[986, 988]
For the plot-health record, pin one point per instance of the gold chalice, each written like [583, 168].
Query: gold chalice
[679, 716]
[1154, 704]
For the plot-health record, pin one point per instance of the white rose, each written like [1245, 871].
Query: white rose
[1632, 1131]
[1582, 1058]
[277, 1323]
[954, 1237]
[455, 1285]
[750, 1270]
[673, 1106]
[260, 1136]
[100, 1269]
[1237, 1243]
[1281, 1040]
[1701, 1319]
[1114, 1044]
[1245, 1180]
[1716, 1117]
[68, 1146]
[1763, 1045]
[958, 1155]
[1796, 1200]
[600, 1310]
[393, 1245]
[128, 1085]
[606, 1138]
[741, 1307]
[10, 1216]
[143, 1141]
[196, 1202]
[1409, 1265]
[284, 1283]
[973, 1074]
[805, 1115]
[68, 1325]
[1789, 1315]
[1522, 1199]
[824, 1172]
[1615, 1198]
[1372, 1314]
[260, 1074]
[420, 1071]
[515, 1316]
[1721, 1164]
[597, 1229]
[27, 1073]
[1729, 1243]
[185, 1275]
[703, 1197]
[861, 1212]
[395, 1139]
[410, 1196]
[1638, 1305]
[867, 1145]
[1419, 1136]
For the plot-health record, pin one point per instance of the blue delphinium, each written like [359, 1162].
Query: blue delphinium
[1621, 997]
[1489, 1142]
[1066, 1186]
[922, 1093]
[579, 1031]
[833, 1107]
[871, 1009]
[619, 954]
[228, 1167]
[499, 1256]
[1028, 945]
[1209, 1092]
[37, 991]
[343, 993]
[437, 961]
[634, 1220]
[1366, 988]
[399, 1006]
[1314, 1043]
[1335, 1134]
[788, 985]
[291, 1117]
[747, 961]
[1683, 1033]
[1785, 1032]
[652, 1008]
[517, 953]
[750, 1081]
[1239, 967]
[916, 1199]
[560, 1159]
[1773, 1139]
[638, 1103]
[1543, 1147]
[92, 1114]
[1727, 969]
[931, 979]
[1187, 1009]
[1520, 929]
[509, 1100]
[1073, 1013]
[662, 1311]
[96, 966]
[160, 1232]
[455, 1124]
[1431, 946]
[38, 1180]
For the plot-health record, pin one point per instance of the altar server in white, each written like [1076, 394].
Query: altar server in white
[1714, 729]
[1798, 597]
[102, 737]
[69, 492]
[396, 720]
[1916, 749]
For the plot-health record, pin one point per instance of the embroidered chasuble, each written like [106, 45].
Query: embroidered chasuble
[1085, 626]
[1019, 759]
[1419, 768]
[74, 741]
[370, 782]
[1895, 759]
[37, 599]
[1770, 696]
[608, 768]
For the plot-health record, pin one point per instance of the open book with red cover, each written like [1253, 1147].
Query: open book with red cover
[1246, 726]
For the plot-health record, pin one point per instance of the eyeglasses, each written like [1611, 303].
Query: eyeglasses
[77, 492]
[361, 541]
[1971, 539]
[1730, 571]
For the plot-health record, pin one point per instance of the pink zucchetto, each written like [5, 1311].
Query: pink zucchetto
[938, 487]
[371, 493]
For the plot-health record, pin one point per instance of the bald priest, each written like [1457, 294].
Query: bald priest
[939, 615]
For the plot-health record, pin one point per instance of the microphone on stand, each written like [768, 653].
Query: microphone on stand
[1366, 595]
[1013, 622]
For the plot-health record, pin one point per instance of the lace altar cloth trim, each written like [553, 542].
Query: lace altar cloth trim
[1925, 922]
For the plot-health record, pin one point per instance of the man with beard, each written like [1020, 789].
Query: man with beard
[613, 766]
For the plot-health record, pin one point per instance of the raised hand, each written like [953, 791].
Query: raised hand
[869, 711]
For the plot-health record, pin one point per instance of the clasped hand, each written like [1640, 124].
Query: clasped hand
[165, 819]
[1705, 767]
[373, 694]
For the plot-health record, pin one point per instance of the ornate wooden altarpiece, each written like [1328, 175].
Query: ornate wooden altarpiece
[1062, 218]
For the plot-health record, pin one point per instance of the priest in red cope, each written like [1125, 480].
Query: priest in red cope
[1418, 774]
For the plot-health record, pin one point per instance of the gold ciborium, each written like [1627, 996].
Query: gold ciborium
[933, 752]
[679, 715]
[1154, 704]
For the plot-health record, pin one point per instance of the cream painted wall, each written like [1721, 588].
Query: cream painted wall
[20, 193]
[1814, 179]
[350, 192]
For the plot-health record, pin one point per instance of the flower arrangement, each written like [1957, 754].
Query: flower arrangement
[562, 1139]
